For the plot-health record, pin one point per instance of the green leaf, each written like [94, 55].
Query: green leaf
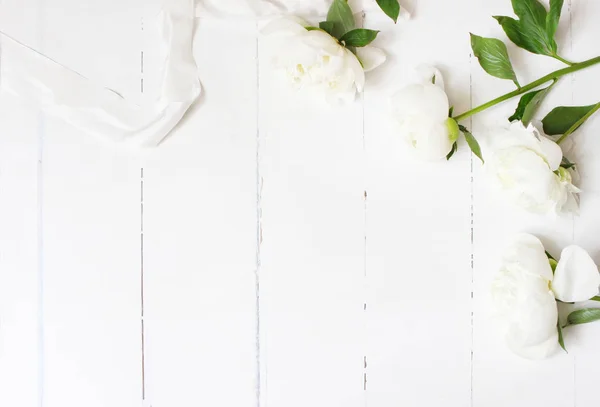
[451, 153]
[391, 8]
[326, 26]
[566, 164]
[562, 118]
[528, 105]
[528, 36]
[523, 103]
[340, 15]
[531, 11]
[553, 17]
[493, 57]
[561, 340]
[359, 37]
[584, 316]
[472, 142]
[512, 28]
[534, 104]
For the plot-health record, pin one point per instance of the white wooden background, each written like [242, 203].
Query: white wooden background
[272, 253]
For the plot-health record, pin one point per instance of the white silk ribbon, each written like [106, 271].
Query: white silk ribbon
[271, 8]
[98, 110]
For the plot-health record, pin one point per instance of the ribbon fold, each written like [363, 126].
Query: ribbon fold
[101, 111]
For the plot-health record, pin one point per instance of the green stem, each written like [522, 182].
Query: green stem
[578, 124]
[561, 59]
[544, 79]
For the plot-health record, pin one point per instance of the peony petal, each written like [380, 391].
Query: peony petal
[571, 204]
[576, 277]
[516, 135]
[287, 25]
[532, 331]
[521, 164]
[427, 100]
[500, 137]
[404, 14]
[523, 176]
[551, 151]
[425, 74]
[370, 57]
[527, 251]
[523, 298]
[537, 351]
[433, 142]
[566, 194]
[356, 68]
[320, 40]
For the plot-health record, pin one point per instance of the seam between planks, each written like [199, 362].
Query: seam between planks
[142, 282]
[40, 226]
[142, 286]
[472, 220]
[365, 280]
[573, 228]
[258, 242]
[40, 250]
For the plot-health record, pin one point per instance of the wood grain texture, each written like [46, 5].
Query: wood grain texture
[20, 318]
[418, 270]
[90, 227]
[274, 252]
[200, 234]
[21, 288]
[311, 169]
[582, 340]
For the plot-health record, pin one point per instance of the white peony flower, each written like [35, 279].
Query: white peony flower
[525, 292]
[525, 166]
[315, 59]
[421, 112]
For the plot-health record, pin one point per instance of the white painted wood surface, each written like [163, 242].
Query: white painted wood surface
[272, 253]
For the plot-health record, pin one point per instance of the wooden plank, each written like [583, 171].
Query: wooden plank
[582, 340]
[418, 227]
[200, 234]
[501, 378]
[91, 274]
[19, 283]
[312, 247]
[91, 221]
[21, 324]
